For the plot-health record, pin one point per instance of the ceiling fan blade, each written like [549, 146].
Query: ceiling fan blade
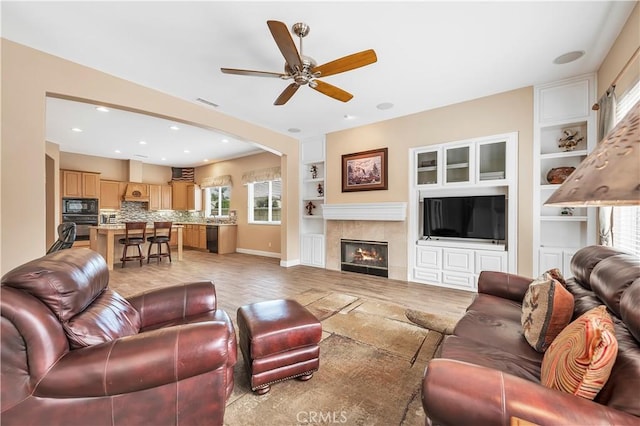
[346, 63]
[285, 43]
[252, 73]
[331, 90]
[286, 94]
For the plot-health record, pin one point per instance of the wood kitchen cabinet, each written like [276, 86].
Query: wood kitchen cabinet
[155, 195]
[195, 236]
[202, 237]
[160, 197]
[110, 194]
[166, 197]
[77, 184]
[186, 196]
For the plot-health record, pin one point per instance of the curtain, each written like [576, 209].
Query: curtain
[214, 181]
[606, 122]
[261, 175]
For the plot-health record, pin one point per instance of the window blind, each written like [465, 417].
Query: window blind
[626, 219]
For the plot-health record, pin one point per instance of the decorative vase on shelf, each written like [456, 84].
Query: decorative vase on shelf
[558, 175]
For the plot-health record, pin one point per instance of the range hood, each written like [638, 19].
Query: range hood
[137, 192]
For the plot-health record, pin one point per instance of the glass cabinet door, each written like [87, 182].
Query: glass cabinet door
[427, 168]
[492, 163]
[457, 164]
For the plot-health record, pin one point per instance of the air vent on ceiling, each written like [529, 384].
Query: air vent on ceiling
[141, 156]
[206, 102]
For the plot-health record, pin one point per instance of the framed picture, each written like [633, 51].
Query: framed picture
[364, 171]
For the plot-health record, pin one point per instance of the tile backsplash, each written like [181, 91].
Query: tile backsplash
[137, 211]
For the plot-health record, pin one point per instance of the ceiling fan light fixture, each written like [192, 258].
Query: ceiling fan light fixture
[304, 69]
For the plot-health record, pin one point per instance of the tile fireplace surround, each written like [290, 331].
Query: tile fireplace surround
[373, 222]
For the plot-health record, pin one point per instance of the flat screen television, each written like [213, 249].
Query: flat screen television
[475, 217]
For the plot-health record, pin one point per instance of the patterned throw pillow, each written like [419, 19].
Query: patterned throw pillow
[580, 359]
[556, 275]
[547, 308]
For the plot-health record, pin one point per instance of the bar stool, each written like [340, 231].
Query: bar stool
[134, 235]
[161, 235]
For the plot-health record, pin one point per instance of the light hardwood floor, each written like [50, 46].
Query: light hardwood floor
[241, 279]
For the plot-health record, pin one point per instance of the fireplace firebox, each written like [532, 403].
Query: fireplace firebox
[365, 257]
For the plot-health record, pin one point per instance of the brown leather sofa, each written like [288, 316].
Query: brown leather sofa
[74, 352]
[487, 373]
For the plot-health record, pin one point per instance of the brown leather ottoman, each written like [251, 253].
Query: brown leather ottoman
[279, 341]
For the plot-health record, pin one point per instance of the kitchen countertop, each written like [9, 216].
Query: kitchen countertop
[121, 226]
[208, 223]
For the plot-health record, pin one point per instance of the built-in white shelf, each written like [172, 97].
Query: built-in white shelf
[458, 166]
[566, 218]
[563, 154]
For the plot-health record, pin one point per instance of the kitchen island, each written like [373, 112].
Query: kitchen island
[104, 240]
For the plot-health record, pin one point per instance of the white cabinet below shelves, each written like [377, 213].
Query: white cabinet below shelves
[312, 251]
[556, 257]
[490, 261]
[456, 267]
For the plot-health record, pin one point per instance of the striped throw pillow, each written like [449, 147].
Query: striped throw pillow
[580, 359]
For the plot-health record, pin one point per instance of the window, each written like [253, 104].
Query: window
[265, 201]
[218, 201]
[626, 219]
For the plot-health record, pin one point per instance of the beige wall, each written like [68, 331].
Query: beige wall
[502, 113]
[625, 45]
[251, 237]
[28, 76]
[52, 187]
[109, 168]
[113, 168]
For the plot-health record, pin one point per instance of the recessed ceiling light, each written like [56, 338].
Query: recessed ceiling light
[205, 160]
[117, 151]
[76, 129]
[102, 109]
[568, 57]
[385, 105]
[174, 127]
[163, 159]
[143, 142]
[186, 151]
[293, 130]
[225, 140]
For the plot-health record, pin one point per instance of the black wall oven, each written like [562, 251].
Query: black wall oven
[81, 211]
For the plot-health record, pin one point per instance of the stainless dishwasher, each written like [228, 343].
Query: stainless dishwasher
[212, 238]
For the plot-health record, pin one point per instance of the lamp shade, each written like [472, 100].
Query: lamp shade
[610, 175]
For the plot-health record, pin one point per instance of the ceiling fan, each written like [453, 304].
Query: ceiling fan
[304, 69]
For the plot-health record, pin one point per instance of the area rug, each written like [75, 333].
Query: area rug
[372, 358]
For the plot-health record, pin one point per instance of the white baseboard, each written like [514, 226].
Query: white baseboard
[283, 263]
[258, 252]
[289, 263]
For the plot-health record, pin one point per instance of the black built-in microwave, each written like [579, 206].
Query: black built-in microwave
[80, 206]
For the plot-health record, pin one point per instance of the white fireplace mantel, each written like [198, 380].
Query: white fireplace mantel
[365, 211]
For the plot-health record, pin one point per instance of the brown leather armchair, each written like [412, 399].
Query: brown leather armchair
[75, 352]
